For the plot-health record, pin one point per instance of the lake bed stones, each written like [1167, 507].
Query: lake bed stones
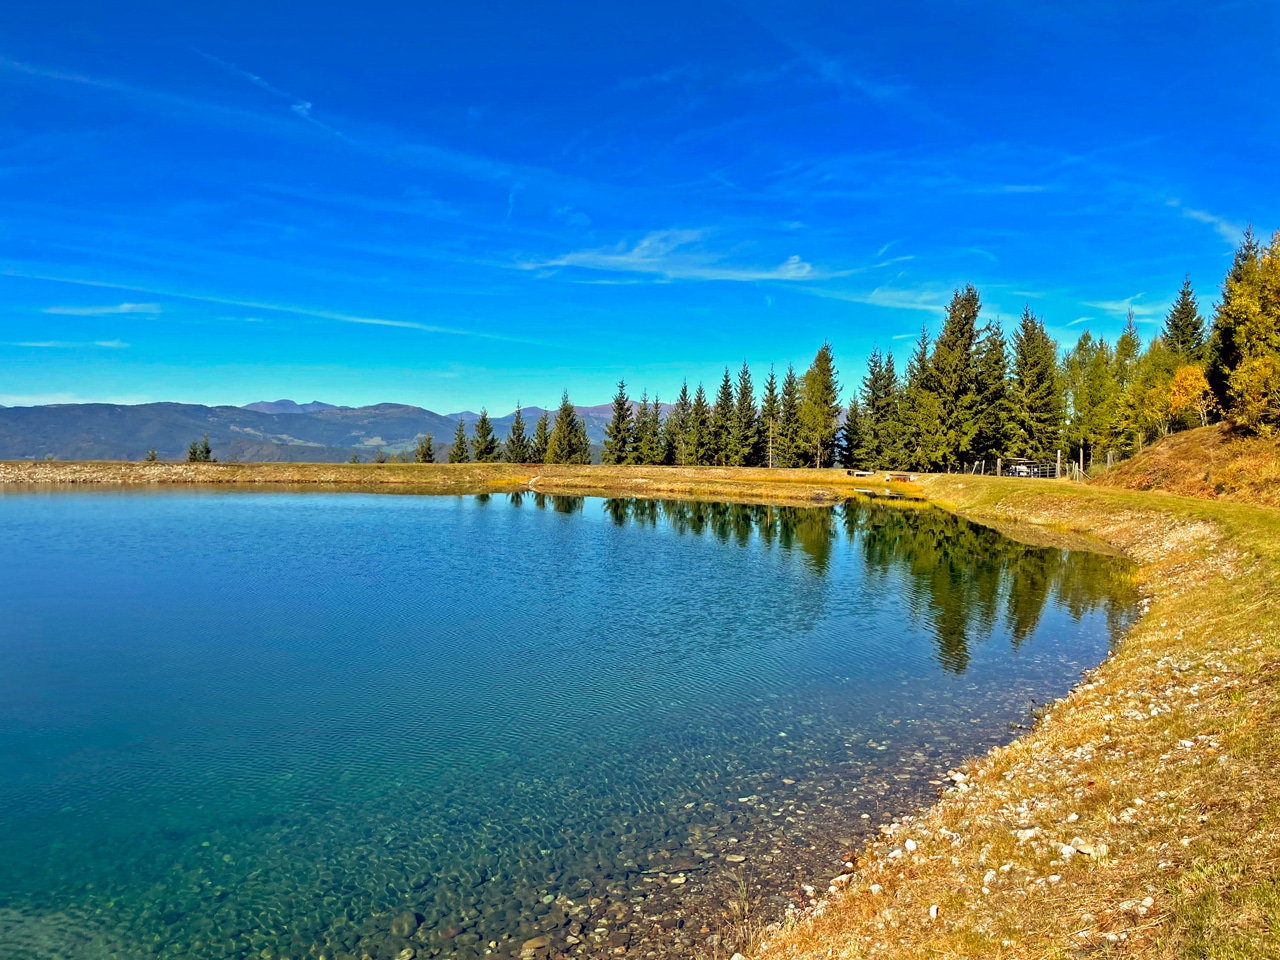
[405, 925]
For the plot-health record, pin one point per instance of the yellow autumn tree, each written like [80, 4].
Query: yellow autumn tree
[1189, 390]
[1254, 384]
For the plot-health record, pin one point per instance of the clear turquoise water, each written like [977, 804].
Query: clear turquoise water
[240, 724]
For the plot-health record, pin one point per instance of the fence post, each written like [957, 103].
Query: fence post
[999, 464]
[1057, 472]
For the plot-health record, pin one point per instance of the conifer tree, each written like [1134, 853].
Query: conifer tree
[676, 434]
[582, 443]
[541, 437]
[1091, 396]
[770, 410]
[619, 432]
[1038, 406]
[820, 410]
[1184, 327]
[1223, 351]
[516, 449]
[995, 407]
[152, 456]
[720, 435]
[648, 448]
[200, 451]
[699, 433]
[460, 452]
[484, 445]
[1253, 385]
[563, 443]
[788, 441]
[744, 433]
[852, 444]
[921, 436]
[881, 437]
[425, 451]
[953, 376]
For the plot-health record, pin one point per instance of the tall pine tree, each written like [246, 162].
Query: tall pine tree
[648, 448]
[1038, 404]
[853, 435]
[923, 441]
[788, 441]
[881, 437]
[699, 431]
[676, 435]
[619, 432]
[1184, 327]
[770, 408]
[541, 438]
[720, 437]
[995, 407]
[461, 452]
[820, 410]
[516, 447]
[1223, 351]
[744, 433]
[563, 442]
[484, 445]
[953, 376]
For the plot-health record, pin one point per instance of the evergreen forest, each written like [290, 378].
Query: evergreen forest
[975, 393]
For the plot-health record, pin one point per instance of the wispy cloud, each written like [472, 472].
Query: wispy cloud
[68, 344]
[673, 255]
[259, 305]
[1121, 308]
[138, 308]
[928, 300]
[1079, 320]
[1228, 231]
[299, 106]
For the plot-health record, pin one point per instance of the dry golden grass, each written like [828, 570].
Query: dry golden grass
[1211, 463]
[728, 484]
[1158, 772]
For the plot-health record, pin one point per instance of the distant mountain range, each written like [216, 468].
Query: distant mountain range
[278, 430]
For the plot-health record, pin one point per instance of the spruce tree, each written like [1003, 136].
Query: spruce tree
[581, 443]
[152, 456]
[515, 449]
[460, 452]
[563, 442]
[1184, 327]
[852, 443]
[676, 434]
[425, 451]
[880, 408]
[648, 449]
[995, 406]
[1038, 404]
[721, 431]
[744, 433]
[1238, 293]
[820, 410]
[953, 376]
[699, 434]
[770, 409]
[200, 451]
[788, 441]
[619, 432]
[923, 440]
[541, 436]
[484, 445]
[1253, 386]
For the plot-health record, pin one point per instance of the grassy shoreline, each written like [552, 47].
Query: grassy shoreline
[732, 484]
[1156, 771]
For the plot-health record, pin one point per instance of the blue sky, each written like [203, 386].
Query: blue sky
[466, 204]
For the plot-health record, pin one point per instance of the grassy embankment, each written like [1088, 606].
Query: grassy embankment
[1158, 772]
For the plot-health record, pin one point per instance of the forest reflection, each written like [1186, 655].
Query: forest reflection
[964, 580]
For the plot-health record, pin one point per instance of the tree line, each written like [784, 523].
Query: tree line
[970, 394]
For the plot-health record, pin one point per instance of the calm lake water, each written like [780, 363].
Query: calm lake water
[246, 724]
